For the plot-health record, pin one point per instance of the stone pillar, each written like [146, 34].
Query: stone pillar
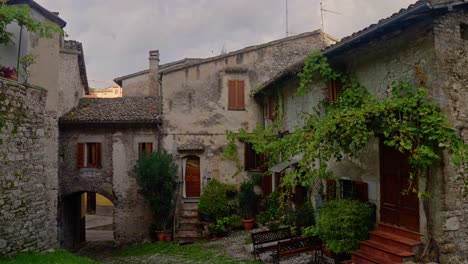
[153, 82]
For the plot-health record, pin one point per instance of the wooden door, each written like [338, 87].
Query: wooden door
[396, 207]
[192, 177]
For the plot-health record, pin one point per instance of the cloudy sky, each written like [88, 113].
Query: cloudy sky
[117, 34]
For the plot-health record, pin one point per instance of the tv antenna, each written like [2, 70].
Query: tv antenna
[322, 10]
[287, 32]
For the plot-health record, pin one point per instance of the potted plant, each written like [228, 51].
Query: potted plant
[156, 176]
[342, 224]
[248, 201]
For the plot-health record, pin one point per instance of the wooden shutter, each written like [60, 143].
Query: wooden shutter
[247, 156]
[331, 189]
[361, 191]
[140, 149]
[149, 148]
[241, 95]
[80, 147]
[335, 89]
[236, 95]
[231, 94]
[98, 153]
[271, 107]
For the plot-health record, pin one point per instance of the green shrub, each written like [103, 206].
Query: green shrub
[305, 215]
[213, 201]
[272, 209]
[248, 199]
[342, 224]
[156, 176]
[235, 222]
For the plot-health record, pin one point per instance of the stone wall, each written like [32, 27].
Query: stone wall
[114, 179]
[451, 91]
[196, 101]
[27, 199]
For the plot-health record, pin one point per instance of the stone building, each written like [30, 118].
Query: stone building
[29, 179]
[425, 44]
[203, 98]
[100, 141]
[109, 92]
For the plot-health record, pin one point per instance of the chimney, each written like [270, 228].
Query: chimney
[153, 82]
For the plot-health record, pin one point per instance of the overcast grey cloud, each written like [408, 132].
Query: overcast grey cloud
[117, 34]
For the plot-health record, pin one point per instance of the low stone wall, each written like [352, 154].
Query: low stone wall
[25, 204]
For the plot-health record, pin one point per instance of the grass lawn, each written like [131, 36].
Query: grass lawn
[56, 257]
[198, 252]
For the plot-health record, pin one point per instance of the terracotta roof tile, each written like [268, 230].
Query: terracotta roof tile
[114, 110]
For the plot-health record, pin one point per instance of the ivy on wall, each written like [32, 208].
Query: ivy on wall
[405, 120]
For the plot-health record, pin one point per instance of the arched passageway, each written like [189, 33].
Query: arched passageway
[85, 217]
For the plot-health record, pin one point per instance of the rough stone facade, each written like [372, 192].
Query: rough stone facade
[27, 201]
[433, 53]
[114, 179]
[195, 100]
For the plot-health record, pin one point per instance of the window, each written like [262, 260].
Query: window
[335, 88]
[88, 155]
[354, 190]
[464, 31]
[269, 108]
[145, 147]
[252, 160]
[236, 95]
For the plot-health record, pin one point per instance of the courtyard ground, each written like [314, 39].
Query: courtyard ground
[235, 248]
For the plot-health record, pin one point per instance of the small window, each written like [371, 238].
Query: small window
[269, 108]
[88, 155]
[236, 95]
[335, 88]
[145, 147]
[252, 160]
[464, 31]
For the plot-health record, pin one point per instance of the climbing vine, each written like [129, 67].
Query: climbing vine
[405, 120]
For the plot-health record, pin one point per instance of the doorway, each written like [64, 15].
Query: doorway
[397, 207]
[82, 221]
[192, 177]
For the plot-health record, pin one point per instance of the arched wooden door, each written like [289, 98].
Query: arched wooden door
[192, 177]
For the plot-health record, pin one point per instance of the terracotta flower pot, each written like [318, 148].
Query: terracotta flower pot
[167, 237]
[160, 235]
[248, 223]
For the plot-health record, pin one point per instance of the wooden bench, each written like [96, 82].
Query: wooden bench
[298, 245]
[260, 240]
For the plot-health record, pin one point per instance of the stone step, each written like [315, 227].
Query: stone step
[189, 206]
[188, 234]
[189, 213]
[360, 257]
[189, 220]
[399, 231]
[385, 251]
[396, 241]
[191, 200]
[189, 227]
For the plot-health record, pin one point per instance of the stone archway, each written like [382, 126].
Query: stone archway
[72, 214]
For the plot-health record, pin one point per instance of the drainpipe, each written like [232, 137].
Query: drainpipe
[19, 51]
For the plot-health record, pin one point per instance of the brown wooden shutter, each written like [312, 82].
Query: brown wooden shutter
[149, 147]
[361, 191]
[271, 107]
[330, 91]
[241, 95]
[98, 155]
[231, 94]
[80, 155]
[246, 156]
[331, 189]
[140, 149]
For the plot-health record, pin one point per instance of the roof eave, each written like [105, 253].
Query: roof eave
[345, 43]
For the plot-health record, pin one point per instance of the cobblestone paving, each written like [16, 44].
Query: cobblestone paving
[235, 246]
